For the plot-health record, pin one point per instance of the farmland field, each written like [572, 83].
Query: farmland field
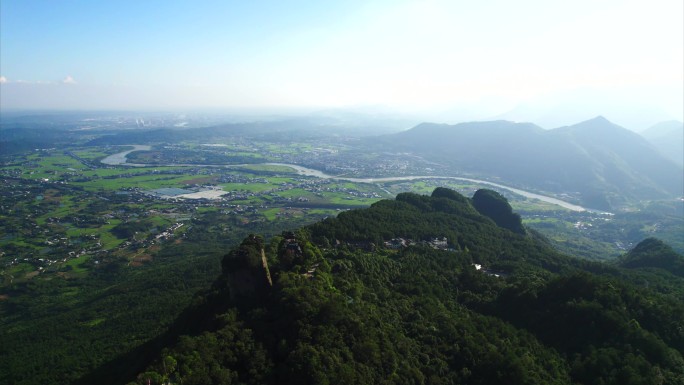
[72, 205]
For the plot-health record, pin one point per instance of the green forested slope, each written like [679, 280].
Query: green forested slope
[491, 307]
[653, 253]
[53, 332]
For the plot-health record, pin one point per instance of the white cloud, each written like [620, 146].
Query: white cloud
[3, 80]
[68, 80]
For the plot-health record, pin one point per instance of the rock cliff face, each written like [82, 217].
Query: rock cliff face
[245, 270]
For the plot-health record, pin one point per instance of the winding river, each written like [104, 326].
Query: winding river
[120, 159]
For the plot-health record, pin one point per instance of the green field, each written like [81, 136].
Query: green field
[74, 209]
[92, 153]
[270, 214]
[344, 199]
[76, 266]
[276, 169]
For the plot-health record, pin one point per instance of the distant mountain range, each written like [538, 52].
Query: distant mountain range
[668, 138]
[600, 162]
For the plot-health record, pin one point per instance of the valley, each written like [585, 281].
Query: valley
[75, 204]
[88, 222]
[341, 193]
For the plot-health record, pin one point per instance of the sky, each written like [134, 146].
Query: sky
[523, 59]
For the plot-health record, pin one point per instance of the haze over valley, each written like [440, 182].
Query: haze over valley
[358, 192]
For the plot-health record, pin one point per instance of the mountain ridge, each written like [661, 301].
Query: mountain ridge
[495, 307]
[601, 163]
[668, 138]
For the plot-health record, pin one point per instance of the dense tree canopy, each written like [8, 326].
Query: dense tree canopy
[493, 205]
[653, 253]
[494, 307]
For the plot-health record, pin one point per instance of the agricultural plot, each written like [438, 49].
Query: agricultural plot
[61, 204]
[271, 168]
[69, 214]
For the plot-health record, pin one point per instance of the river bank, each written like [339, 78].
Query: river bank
[120, 159]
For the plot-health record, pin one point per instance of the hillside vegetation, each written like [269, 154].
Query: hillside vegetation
[375, 296]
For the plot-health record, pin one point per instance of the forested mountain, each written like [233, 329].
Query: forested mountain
[424, 290]
[605, 163]
[653, 253]
[668, 138]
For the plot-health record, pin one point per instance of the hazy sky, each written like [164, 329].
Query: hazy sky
[488, 56]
